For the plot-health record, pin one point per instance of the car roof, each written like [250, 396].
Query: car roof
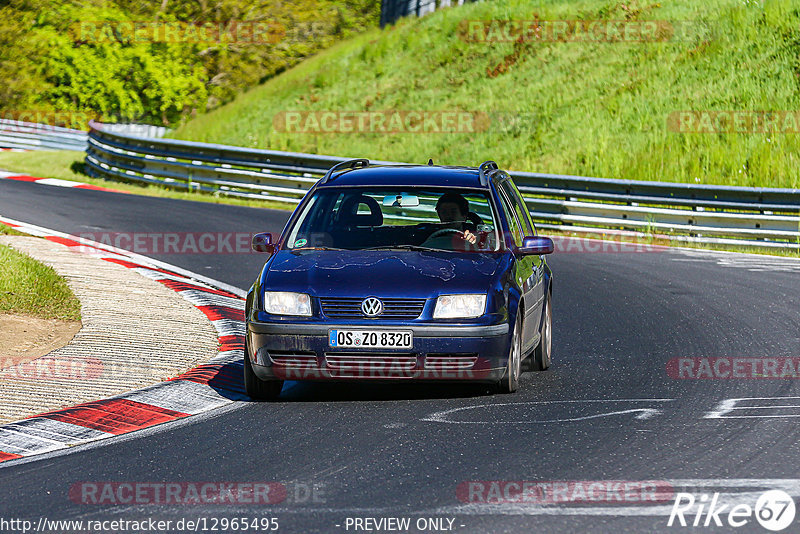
[407, 175]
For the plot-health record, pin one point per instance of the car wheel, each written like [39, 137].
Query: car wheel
[256, 388]
[510, 381]
[541, 356]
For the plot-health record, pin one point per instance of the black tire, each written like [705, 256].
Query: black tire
[257, 389]
[510, 381]
[541, 356]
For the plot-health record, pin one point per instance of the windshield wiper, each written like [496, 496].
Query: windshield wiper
[404, 247]
[318, 248]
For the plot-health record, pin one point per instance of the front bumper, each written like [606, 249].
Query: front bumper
[300, 351]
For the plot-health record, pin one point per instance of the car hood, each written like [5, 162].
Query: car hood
[382, 273]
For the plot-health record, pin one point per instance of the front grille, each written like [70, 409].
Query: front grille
[360, 361]
[393, 308]
[293, 360]
[450, 362]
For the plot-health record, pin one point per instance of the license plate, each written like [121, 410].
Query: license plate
[372, 339]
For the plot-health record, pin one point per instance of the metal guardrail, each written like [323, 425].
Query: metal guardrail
[32, 136]
[392, 10]
[138, 130]
[764, 217]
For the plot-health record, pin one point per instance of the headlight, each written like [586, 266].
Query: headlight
[286, 303]
[459, 306]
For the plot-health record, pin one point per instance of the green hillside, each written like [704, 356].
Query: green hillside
[155, 62]
[587, 108]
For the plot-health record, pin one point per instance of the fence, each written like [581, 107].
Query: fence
[392, 10]
[763, 217]
[32, 136]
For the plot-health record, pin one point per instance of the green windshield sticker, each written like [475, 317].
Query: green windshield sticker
[300, 242]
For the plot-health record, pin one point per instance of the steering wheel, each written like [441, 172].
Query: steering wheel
[443, 232]
[447, 231]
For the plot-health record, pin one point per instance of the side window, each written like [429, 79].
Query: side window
[519, 206]
[513, 224]
[307, 222]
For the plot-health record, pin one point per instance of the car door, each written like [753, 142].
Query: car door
[524, 273]
[534, 297]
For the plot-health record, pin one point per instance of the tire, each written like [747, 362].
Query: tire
[541, 356]
[510, 381]
[257, 389]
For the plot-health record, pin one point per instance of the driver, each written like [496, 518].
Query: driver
[453, 208]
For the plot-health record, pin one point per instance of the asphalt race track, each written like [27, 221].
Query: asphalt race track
[607, 410]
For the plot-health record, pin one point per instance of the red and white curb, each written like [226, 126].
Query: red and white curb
[13, 150]
[55, 181]
[204, 388]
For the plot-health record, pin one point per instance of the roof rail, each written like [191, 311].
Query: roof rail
[485, 170]
[349, 164]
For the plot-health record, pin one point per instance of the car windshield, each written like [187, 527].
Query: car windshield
[403, 219]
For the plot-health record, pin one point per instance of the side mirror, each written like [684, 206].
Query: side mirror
[536, 246]
[263, 243]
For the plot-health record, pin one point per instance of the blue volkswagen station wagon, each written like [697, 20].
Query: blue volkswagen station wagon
[401, 272]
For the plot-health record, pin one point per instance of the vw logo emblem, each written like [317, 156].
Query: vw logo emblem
[371, 307]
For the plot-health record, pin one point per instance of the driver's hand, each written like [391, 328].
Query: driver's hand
[470, 237]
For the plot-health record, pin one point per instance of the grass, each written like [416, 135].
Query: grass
[593, 109]
[68, 165]
[7, 230]
[785, 253]
[28, 287]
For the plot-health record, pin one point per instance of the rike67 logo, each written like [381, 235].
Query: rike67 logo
[774, 510]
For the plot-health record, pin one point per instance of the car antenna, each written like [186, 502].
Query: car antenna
[430, 161]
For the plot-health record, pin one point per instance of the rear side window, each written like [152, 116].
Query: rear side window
[520, 207]
[511, 216]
